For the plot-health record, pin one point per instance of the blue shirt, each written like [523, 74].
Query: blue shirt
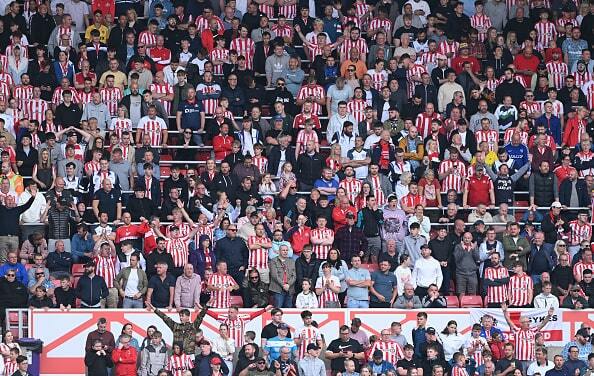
[584, 350]
[79, 246]
[274, 345]
[190, 114]
[161, 294]
[518, 153]
[354, 292]
[384, 284]
[332, 183]
[21, 272]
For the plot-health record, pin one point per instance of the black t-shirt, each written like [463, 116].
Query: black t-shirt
[270, 331]
[337, 346]
[406, 364]
[108, 202]
[504, 363]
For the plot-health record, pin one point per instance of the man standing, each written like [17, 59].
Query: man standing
[383, 287]
[234, 252]
[184, 331]
[426, 272]
[358, 281]
[132, 283]
[282, 278]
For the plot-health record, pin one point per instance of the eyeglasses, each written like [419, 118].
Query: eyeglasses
[10, 275]
[562, 245]
[351, 70]
[280, 85]
[39, 273]
[232, 229]
[190, 132]
[255, 277]
[141, 46]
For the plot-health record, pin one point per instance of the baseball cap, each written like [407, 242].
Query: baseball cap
[312, 346]
[278, 118]
[431, 330]
[378, 354]
[268, 200]
[283, 326]
[556, 204]
[479, 222]
[215, 361]
[583, 332]
[350, 215]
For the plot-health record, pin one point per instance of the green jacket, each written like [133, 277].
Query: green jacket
[186, 332]
[512, 251]
[122, 278]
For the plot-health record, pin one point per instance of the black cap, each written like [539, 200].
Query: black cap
[583, 332]
[282, 325]
[431, 330]
[350, 215]
[541, 66]
[313, 346]
[479, 222]
[89, 263]
[70, 134]
[378, 354]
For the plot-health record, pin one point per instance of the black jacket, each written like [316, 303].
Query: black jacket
[305, 269]
[41, 28]
[59, 261]
[97, 365]
[141, 208]
[234, 252]
[68, 116]
[550, 230]
[581, 189]
[91, 291]
[260, 57]
[428, 94]
[12, 295]
[155, 257]
[275, 155]
[513, 89]
[309, 168]
[237, 99]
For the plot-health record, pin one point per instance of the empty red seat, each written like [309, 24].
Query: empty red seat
[166, 157]
[78, 269]
[471, 301]
[13, 317]
[236, 301]
[453, 301]
[165, 171]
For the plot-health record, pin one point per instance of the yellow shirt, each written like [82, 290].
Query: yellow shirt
[103, 33]
[120, 79]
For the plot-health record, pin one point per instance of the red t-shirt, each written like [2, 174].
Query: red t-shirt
[531, 63]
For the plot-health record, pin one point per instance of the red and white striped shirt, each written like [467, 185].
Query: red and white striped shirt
[57, 97]
[105, 268]
[482, 23]
[377, 24]
[414, 70]
[85, 97]
[4, 62]
[154, 127]
[557, 71]
[392, 350]
[119, 126]
[178, 249]
[209, 104]
[579, 232]
[492, 84]
[221, 298]
[163, 88]
[262, 163]
[91, 167]
[184, 227]
[564, 21]
[237, 326]
[219, 54]
[445, 48]
[410, 200]
[361, 9]
[507, 136]
[585, 156]
[455, 179]
[491, 137]
[352, 188]
[246, 48]
[530, 107]
[519, 286]
[286, 30]
[307, 334]
[525, 343]
[423, 123]
[148, 38]
[315, 91]
[459, 371]
[258, 258]
[321, 251]
[356, 107]
[546, 33]
[582, 78]
[35, 109]
[303, 137]
[379, 79]
[429, 58]
[111, 97]
[327, 294]
[580, 266]
[202, 23]
[496, 294]
[178, 364]
[360, 43]
[376, 188]
[23, 94]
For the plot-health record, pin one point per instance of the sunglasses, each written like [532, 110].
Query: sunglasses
[351, 70]
[10, 275]
[39, 273]
[232, 229]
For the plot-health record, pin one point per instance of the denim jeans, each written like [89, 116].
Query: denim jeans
[283, 300]
[352, 303]
[132, 303]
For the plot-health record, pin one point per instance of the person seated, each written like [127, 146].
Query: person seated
[433, 299]
[40, 299]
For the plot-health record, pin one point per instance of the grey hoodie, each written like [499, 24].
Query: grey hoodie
[275, 66]
[466, 262]
[153, 358]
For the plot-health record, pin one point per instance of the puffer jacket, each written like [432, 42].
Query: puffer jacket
[153, 359]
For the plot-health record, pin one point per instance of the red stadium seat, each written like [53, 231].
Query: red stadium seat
[371, 267]
[75, 281]
[236, 301]
[166, 157]
[13, 317]
[78, 269]
[471, 301]
[453, 301]
[165, 171]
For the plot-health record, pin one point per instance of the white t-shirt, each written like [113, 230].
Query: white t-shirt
[132, 284]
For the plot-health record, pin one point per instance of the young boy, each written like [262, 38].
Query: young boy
[476, 344]
[307, 334]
